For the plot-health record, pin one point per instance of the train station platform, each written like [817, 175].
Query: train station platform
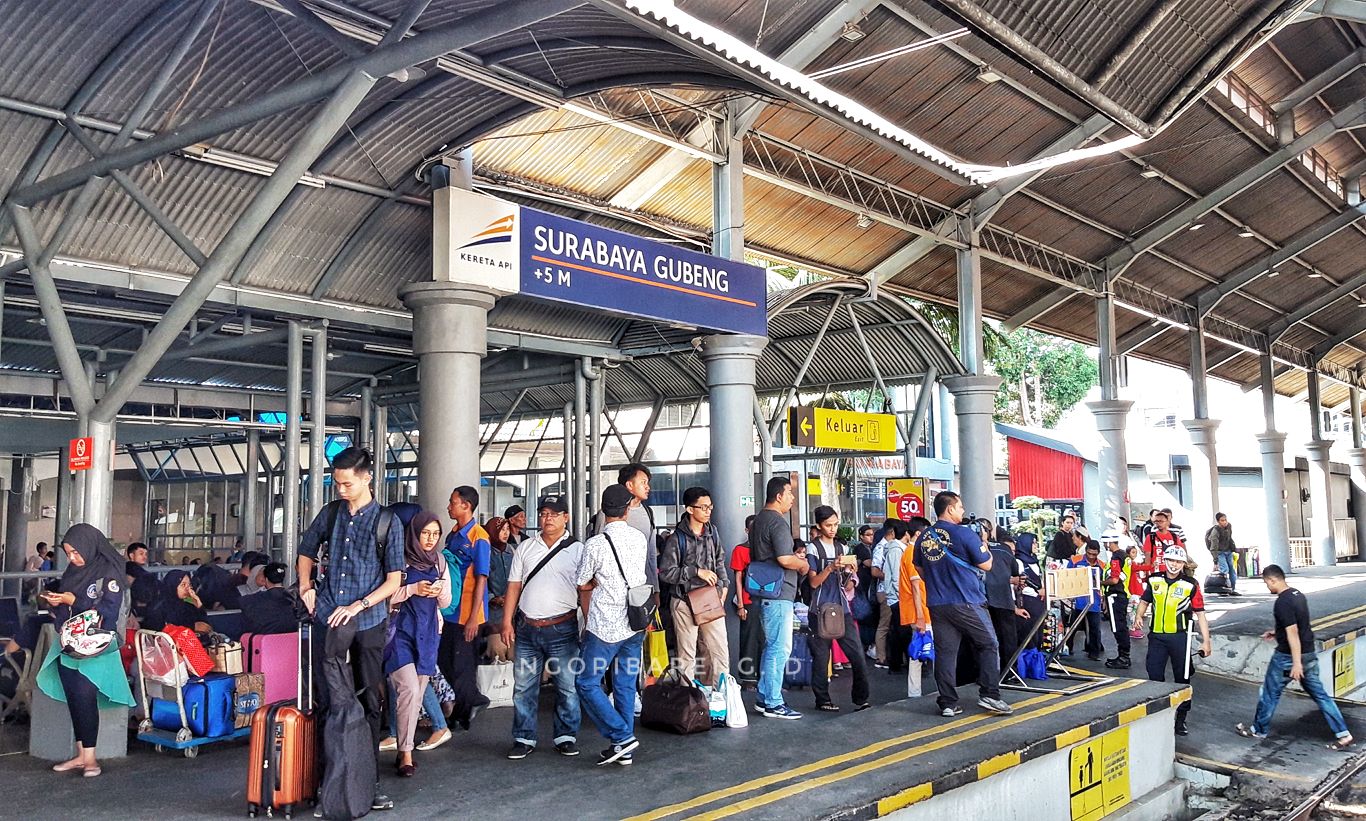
[899, 759]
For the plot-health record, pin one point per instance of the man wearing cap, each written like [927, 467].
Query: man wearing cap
[540, 622]
[1173, 597]
[516, 519]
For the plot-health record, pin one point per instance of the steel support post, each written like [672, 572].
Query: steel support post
[577, 524]
[17, 511]
[365, 434]
[765, 446]
[65, 492]
[923, 397]
[294, 389]
[1204, 457]
[974, 403]
[1272, 443]
[1324, 543]
[970, 339]
[380, 438]
[581, 500]
[317, 414]
[99, 479]
[450, 324]
[731, 360]
[597, 385]
[728, 191]
[248, 526]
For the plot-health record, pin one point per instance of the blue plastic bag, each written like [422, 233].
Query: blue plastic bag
[1036, 664]
[922, 647]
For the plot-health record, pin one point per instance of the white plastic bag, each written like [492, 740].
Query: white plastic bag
[495, 681]
[735, 706]
[913, 670]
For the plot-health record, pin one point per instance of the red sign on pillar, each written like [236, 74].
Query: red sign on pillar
[80, 455]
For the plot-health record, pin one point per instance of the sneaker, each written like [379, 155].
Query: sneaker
[881, 665]
[1246, 731]
[950, 712]
[1181, 728]
[520, 751]
[760, 708]
[640, 705]
[567, 748]
[871, 652]
[618, 751]
[1119, 663]
[388, 745]
[381, 802]
[782, 711]
[858, 708]
[995, 705]
[1135, 633]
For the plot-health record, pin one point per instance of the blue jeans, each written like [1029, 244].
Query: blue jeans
[1278, 676]
[430, 703]
[615, 717]
[1224, 561]
[555, 648]
[777, 616]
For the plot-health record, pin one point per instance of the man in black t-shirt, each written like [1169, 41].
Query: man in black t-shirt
[1294, 659]
[771, 541]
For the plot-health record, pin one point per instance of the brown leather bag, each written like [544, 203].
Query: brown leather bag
[706, 604]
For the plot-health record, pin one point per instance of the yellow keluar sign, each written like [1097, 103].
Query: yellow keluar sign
[810, 427]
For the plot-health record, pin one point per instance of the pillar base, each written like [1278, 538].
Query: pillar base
[740, 347]
[1111, 414]
[973, 394]
[1271, 441]
[1201, 431]
[449, 317]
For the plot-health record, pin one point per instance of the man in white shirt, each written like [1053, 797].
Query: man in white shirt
[540, 623]
[613, 562]
[884, 616]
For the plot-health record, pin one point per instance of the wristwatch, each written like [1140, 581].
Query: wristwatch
[365, 604]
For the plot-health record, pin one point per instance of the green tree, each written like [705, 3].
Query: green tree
[1042, 377]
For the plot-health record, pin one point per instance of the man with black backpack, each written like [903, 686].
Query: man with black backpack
[357, 549]
[540, 623]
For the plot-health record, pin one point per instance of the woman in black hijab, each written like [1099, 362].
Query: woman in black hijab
[177, 604]
[94, 581]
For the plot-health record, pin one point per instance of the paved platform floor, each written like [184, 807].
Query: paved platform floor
[1337, 602]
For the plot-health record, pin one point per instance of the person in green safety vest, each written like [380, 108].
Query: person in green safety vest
[1174, 598]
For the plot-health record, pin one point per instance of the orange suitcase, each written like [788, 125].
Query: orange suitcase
[282, 771]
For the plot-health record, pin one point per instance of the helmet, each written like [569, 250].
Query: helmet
[81, 637]
[1174, 554]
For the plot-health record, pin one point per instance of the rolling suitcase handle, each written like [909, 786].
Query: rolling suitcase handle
[305, 630]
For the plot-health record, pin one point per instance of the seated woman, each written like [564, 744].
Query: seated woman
[177, 604]
[410, 655]
[94, 580]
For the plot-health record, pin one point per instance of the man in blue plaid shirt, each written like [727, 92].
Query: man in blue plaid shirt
[354, 582]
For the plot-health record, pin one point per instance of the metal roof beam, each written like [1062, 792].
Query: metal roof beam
[1210, 297]
[1119, 261]
[1321, 82]
[1140, 336]
[1350, 10]
[1037, 308]
[1134, 41]
[1313, 306]
[1326, 347]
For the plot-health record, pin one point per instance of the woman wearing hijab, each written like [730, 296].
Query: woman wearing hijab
[94, 581]
[410, 655]
[177, 604]
[500, 564]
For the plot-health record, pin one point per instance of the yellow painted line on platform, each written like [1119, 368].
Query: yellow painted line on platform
[1072, 736]
[1337, 618]
[997, 763]
[1180, 696]
[824, 763]
[904, 799]
[1132, 714]
[897, 758]
[1221, 767]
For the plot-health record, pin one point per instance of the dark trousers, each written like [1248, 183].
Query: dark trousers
[460, 665]
[953, 623]
[751, 645]
[820, 662]
[82, 700]
[898, 642]
[1091, 625]
[364, 675]
[1119, 610]
[1006, 624]
[1174, 649]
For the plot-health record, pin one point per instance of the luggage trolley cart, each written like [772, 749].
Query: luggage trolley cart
[1061, 586]
[161, 665]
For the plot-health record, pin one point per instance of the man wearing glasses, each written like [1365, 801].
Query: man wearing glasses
[692, 559]
[541, 623]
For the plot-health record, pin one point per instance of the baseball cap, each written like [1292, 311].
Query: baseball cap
[615, 497]
[515, 509]
[1174, 554]
[554, 501]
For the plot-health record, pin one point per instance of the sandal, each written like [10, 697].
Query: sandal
[1246, 732]
[1342, 745]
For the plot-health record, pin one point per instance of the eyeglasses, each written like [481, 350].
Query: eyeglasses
[703, 508]
[545, 513]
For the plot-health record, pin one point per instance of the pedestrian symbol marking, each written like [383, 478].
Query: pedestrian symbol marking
[1344, 669]
[1098, 775]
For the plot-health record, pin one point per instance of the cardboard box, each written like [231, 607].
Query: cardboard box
[249, 696]
[227, 658]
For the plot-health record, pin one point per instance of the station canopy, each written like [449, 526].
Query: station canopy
[866, 128]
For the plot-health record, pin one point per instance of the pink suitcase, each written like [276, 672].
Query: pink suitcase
[277, 656]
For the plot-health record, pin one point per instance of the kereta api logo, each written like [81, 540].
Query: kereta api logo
[500, 230]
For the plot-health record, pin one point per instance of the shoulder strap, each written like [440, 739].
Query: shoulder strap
[383, 524]
[332, 508]
[560, 545]
[616, 558]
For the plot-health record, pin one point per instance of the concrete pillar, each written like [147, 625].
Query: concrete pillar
[974, 402]
[1111, 416]
[971, 340]
[450, 328]
[1324, 545]
[99, 479]
[1204, 501]
[16, 519]
[731, 361]
[1356, 458]
[1273, 485]
[248, 524]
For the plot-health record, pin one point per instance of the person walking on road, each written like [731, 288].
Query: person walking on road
[1173, 597]
[1294, 660]
[1219, 540]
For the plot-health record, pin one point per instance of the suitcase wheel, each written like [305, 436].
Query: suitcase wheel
[251, 810]
[191, 752]
[158, 748]
[184, 734]
[145, 726]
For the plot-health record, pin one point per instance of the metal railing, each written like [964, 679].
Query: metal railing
[1301, 553]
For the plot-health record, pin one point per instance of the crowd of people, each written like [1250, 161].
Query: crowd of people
[409, 605]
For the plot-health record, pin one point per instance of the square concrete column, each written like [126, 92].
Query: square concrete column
[1324, 545]
[450, 327]
[1204, 489]
[731, 361]
[1356, 459]
[1273, 486]
[974, 403]
[1111, 416]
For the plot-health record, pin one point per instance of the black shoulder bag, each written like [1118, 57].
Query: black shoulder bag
[640, 600]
